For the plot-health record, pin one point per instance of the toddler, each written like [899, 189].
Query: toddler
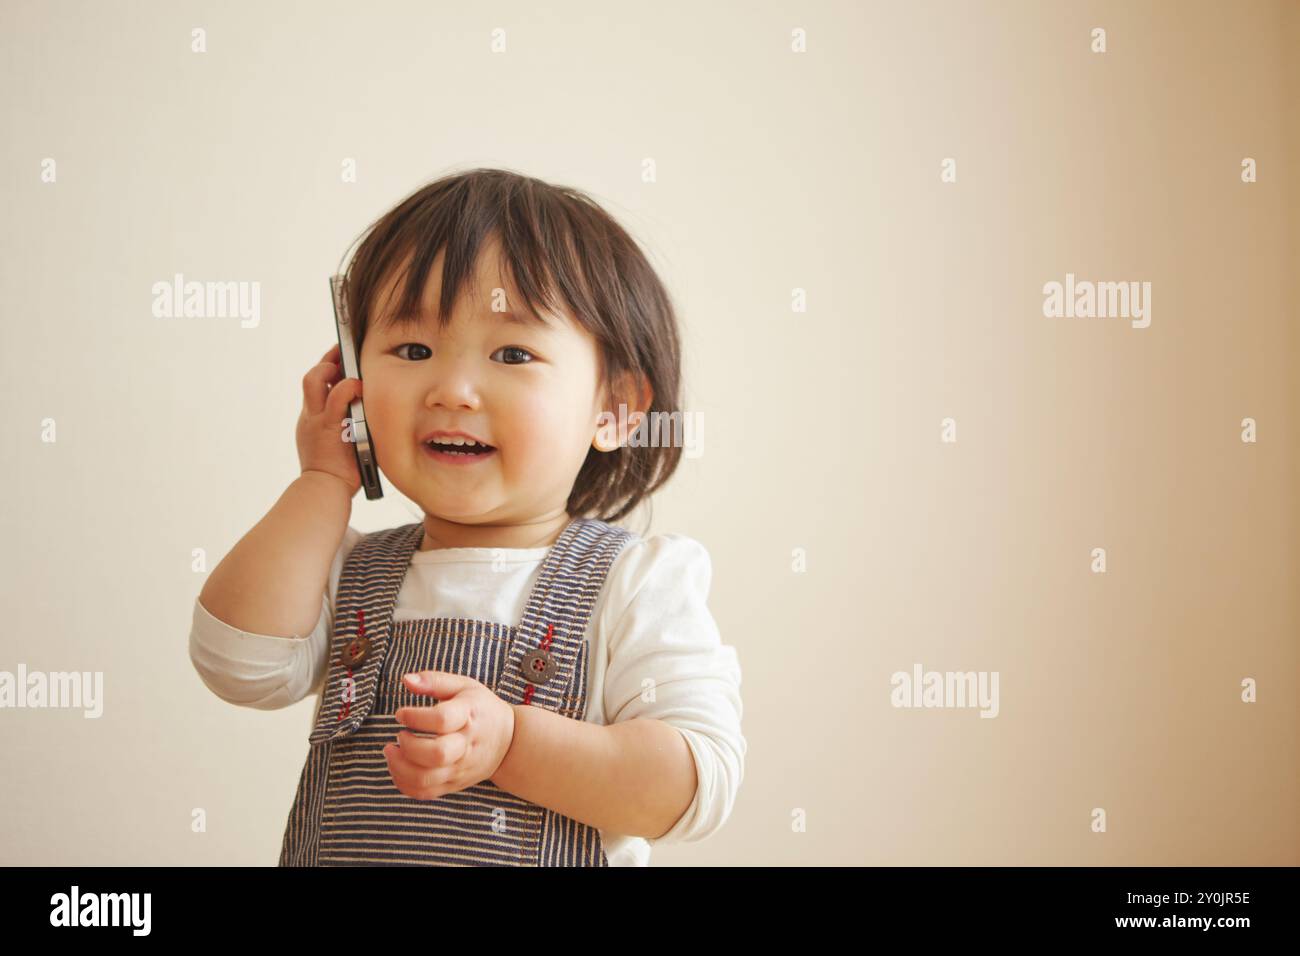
[514, 680]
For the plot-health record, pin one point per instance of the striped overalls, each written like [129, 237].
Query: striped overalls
[347, 810]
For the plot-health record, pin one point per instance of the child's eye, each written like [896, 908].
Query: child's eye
[415, 345]
[517, 349]
[527, 356]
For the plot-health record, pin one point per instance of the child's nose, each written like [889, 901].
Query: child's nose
[453, 388]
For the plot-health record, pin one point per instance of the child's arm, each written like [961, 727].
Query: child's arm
[636, 777]
[667, 761]
[273, 580]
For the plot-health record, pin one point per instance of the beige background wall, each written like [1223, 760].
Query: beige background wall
[776, 170]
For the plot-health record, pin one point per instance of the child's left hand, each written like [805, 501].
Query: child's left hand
[475, 729]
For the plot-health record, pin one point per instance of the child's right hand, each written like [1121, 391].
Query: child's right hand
[325, 404]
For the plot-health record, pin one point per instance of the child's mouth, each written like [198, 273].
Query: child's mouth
[450, 454]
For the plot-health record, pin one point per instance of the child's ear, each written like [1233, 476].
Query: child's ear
[632, 391]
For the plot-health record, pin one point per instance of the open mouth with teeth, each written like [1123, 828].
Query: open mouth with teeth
[458, 449]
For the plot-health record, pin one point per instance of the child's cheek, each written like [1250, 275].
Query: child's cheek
[531, 432]
[383, 415]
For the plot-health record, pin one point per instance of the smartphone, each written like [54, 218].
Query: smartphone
[361, 442]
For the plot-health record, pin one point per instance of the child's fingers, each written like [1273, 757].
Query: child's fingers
[412, 777]
[432, 752]
[331, 353]
[315, 386]
[447, 717]
[340, 396]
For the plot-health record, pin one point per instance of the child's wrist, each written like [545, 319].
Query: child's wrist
[325, 479]
[498, 776]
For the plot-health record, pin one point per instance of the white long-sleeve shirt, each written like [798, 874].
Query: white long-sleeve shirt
[655, 652]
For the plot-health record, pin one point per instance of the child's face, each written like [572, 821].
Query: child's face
[540, 410]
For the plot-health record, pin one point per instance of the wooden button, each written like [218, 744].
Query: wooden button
[538, 666]
[356, 652]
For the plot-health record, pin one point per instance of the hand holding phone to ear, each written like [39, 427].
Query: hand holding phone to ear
[323, 427]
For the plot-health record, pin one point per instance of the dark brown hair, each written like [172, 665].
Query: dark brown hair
[564, 253]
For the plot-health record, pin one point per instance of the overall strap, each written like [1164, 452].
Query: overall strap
[368, 586]
[550, 637]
